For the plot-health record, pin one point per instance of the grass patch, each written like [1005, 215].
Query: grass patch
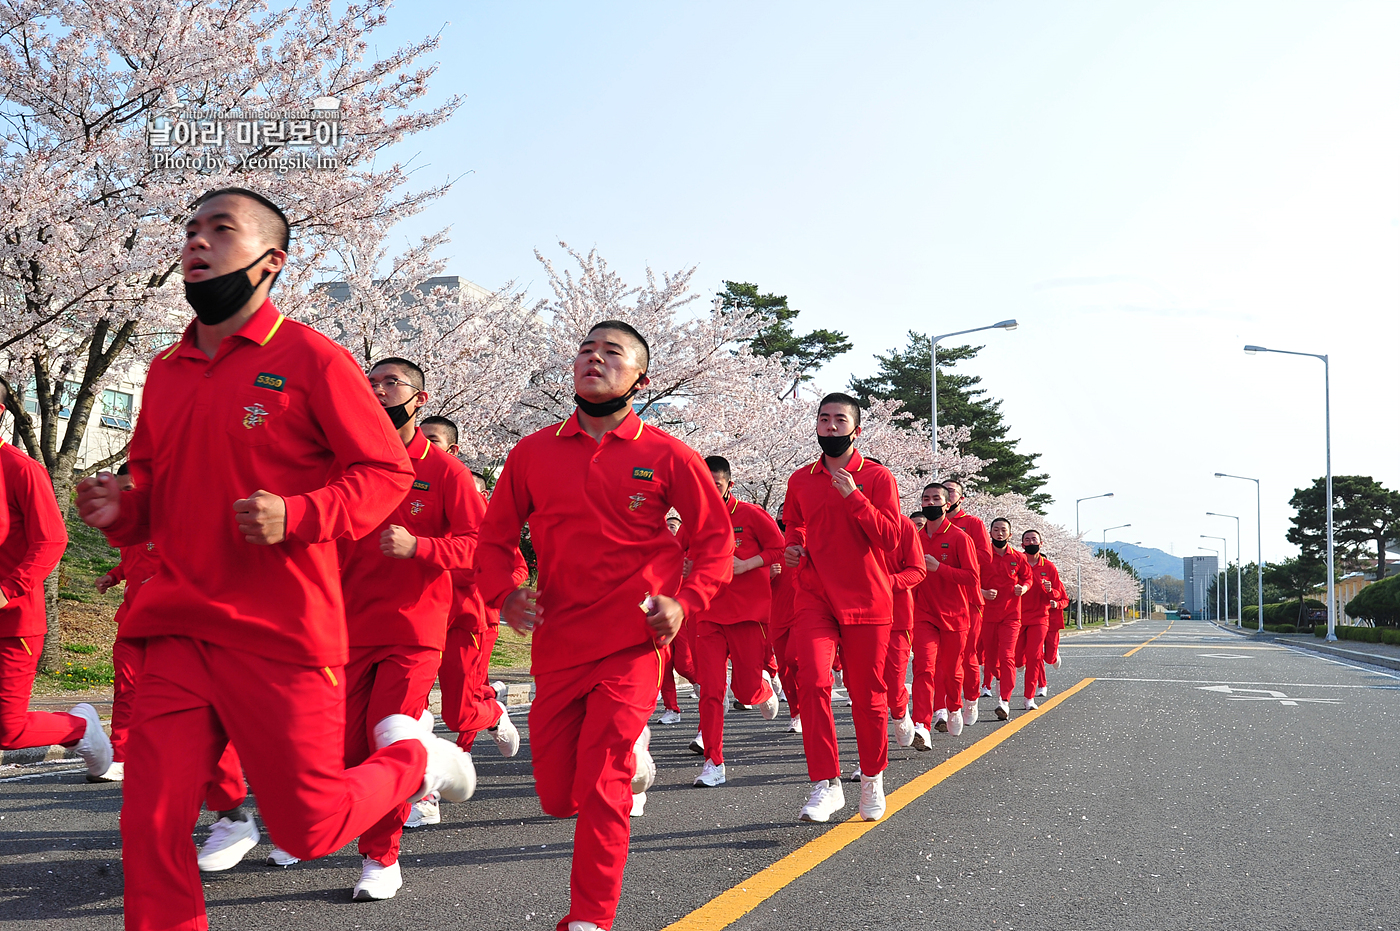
[86, 649]
[86, 560]
[512, 651]
[82, 677]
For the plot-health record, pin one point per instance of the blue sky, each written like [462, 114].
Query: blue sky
[1145, 186]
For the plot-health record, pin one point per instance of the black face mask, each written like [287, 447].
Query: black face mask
[933, 513]
[604, 408]
[219, 298]
[1031, 548]
[999, 544]
[398, 414]
[835, 446]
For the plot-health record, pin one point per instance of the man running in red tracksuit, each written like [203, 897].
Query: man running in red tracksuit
[398, 592]
[972, 650]
[941, 618]
[1052, 640]
[1006, 578]
[842, 514]
[138, 564]
[783, 582]
[1045, 593]
[730, 631]
[906, 568]
[595, 490]
[32, 539]
[258, 446]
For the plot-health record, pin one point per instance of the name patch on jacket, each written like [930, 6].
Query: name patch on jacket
[269, 380]
[645, 475]
[420, 485]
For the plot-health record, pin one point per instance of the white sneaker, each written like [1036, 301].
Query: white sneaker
[449, 773]
[639, 805]
[768, 707]
[582, 926]
[95, 747]
[872, 797]
[904, 731]
[856, 774]
[426, 720]
[644, 774]
[505, 734]
[228, 842]
[115, 773]
[778, 689]
[955, 724]
[1041, 692]
[940, 720]
[826, 800]
[1003, 710]
[377, 881]
[1029, 704]
[710, 775]
[986, 692]
[969, 713]
[922, 739]
[670, 717]
[280, 857]
[795, 725]
[501, 691]
[1056, 664]
[698, 744]
[424, 812]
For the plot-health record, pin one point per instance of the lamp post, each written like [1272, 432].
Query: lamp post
[1105, 591]
[1139, 559]
[1259, 531]
[1203, 601]
[1239, 569]
[933, 378]
[1327, 418]
[1225, 573]
[1079, 562]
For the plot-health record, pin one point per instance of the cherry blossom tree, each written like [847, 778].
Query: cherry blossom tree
[90, 234]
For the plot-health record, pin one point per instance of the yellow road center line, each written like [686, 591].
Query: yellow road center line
[731, 905]
[1149, 640]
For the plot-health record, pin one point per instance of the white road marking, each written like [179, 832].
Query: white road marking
[1288, 685]
[52, 772]
[1267, 695]
[1224, 656]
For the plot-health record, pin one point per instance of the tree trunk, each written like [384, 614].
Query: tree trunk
[51, 660]
[1380, 557]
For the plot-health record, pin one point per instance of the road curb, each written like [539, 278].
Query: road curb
[1372, 659]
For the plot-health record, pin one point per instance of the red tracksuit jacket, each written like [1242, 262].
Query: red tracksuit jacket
[845, 539]
[406, 602]
[1036, 603]
[597, 514]
[33, 544]
[1006, 569]
[944, 597]
[981, 542]
[748, 597]
[280, 408]
[905, 565]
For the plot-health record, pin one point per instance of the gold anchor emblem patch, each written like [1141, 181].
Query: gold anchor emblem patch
[416, 508]
[637, 501]
[256, 416]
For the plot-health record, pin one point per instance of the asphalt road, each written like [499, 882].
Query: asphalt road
[1149, 798]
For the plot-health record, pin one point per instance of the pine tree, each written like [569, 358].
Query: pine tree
[806, 353]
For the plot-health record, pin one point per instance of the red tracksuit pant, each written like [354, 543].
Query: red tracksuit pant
[770, 656]
[289, 724]
[1030, 652]
[938, 670]
[380, 681]
[583, 724]
[815, 639]
[999, 640]
[716, 647]
[971, 655]
[680, 658]
[1052, 645]
[468, 701]
[787, 669]
[897, 671]
[128, 657]
[20, 727]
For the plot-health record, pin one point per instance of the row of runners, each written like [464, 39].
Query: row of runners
[303, 561]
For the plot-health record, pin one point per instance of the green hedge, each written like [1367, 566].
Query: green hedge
[1280, 615]
[1379, 602]
[1362, 634]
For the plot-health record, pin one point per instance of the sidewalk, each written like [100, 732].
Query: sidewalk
[1384, 655]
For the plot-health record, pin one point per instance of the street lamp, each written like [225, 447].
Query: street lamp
[1239, 569]
[1203, 601]
[1327, 417]
[1079, 562]
[1225, 572]
[933, 377]
[1105, 591]
[1259, 532]
[1139, 559]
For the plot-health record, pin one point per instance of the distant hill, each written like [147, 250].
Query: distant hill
[1157, 562]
